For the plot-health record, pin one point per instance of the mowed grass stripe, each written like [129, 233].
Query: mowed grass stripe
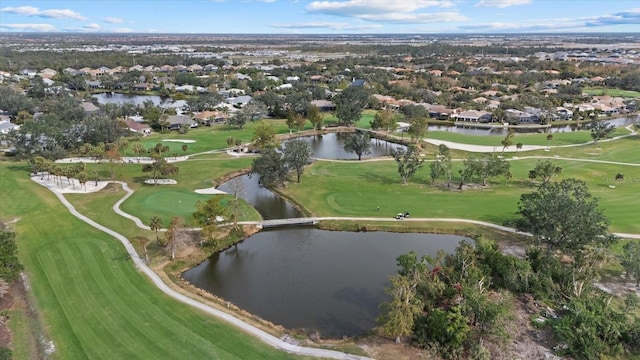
[94, 302]
[118, 312]
[113, 285]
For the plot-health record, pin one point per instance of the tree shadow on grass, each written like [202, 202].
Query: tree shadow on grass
[378, 179]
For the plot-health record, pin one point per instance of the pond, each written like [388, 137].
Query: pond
[470, 130]
[265, 201]
[331, 146]
[330, 282]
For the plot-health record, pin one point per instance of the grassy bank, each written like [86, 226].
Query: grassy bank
[540, 139]
[93, 301]
[358, 188]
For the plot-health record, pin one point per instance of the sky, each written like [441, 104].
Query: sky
[320, 17]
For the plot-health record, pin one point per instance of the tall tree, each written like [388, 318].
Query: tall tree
[10, 266]
[358, 143]
[297, 154]
[484, 167]
[208, 215]
[176, 235]
[418, 128]
[264, 136]
[398, 315]
[385, 120]
[408, 161]
[544, 171]
[350, 103]
[508, 140]
[630, 260]
[564, 216]
[315, 117]
[155, 224]
[601, 130]
[271, 168]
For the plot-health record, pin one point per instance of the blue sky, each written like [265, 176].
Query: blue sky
[323, 16]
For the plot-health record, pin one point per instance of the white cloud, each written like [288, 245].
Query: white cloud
[413, 18]
[113, 20]
[121, 30]
[385, 11]
[36, 27]
[361, 7]
[559, 24]
[92, 26]
[502, 3]
[51, 13]
[338, 26]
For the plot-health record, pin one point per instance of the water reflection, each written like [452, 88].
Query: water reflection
[331, 146]
[266, 202]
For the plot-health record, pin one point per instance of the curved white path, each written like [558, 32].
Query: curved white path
[157, 281]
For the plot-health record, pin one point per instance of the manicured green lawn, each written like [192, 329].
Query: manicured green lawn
[95, 304]
[563, 138]
[357, 188]
[206, 138]
[611, 92]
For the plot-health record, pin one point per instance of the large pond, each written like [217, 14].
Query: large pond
[331, 146]
[328, 282]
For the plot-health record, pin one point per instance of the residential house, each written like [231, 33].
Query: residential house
[239, 101]
[136, 68]
[521, 117]
[166, 68]
[117, 70]
[102, 70]
[47, 73]
[293, 78]
[176, 121]
[137, 127]
[564, 113]
[239, 76]
[210, 67]
[95, 84]
[606, 110]
[142, 86]
[89, 108]
[473, 116]
[28, 72]
[437, 111]
[195, 68]
[180, 68]
[324, 105]
[6, 126]
[208, 118]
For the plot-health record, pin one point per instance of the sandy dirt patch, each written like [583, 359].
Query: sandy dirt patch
[160, 182]
[209, 191]
[68, 185]
[185, 141]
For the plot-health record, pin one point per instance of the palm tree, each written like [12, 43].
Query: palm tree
[142, 242]
[138, 149]
[549, 138]
[155, 224]
[518, 147]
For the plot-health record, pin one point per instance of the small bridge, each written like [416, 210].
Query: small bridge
[289, 222]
